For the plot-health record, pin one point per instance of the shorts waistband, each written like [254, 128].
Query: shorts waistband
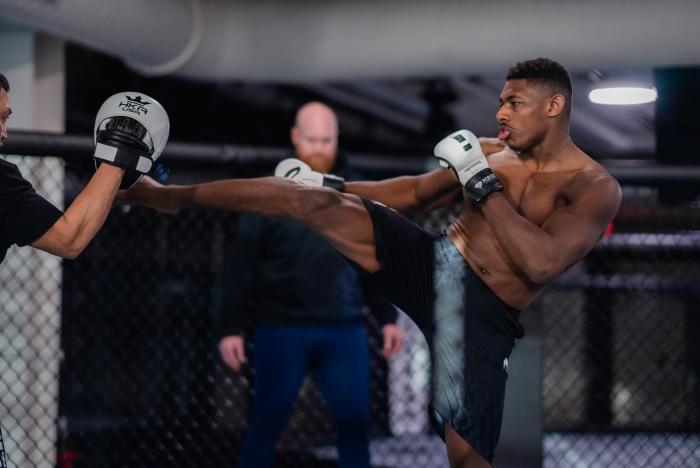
[510, 314]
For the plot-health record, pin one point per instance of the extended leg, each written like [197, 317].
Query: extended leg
[339, 217]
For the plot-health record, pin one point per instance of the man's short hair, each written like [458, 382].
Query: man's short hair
[544, 72]
[4, 84]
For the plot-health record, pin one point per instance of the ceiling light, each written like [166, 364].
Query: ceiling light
[622, 96]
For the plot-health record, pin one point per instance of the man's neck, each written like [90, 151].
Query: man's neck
[552, 153]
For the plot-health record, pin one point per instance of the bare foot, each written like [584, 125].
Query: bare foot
[151, 193]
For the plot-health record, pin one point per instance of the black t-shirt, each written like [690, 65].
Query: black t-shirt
[24, 215]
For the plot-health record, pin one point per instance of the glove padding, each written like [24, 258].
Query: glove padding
[461, 152]
[296, 169]
[131, 130]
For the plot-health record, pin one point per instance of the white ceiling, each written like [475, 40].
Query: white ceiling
[312, 40]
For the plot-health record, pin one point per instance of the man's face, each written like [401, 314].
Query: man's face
[5, 112]
[315, 141]
[522, 115]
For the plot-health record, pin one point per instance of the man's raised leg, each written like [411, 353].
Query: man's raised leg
[341, 218]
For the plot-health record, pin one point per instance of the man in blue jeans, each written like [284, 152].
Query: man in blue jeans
[306, 303]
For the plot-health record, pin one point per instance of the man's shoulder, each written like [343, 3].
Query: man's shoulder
[595, 181]
[594, 174]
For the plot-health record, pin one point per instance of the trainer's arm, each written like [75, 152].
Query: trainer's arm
[569, 233]
[408, 194]
[74, 230]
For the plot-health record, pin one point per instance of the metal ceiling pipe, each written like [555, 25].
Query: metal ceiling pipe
[312, 40]
[153, 35]
[79, 149]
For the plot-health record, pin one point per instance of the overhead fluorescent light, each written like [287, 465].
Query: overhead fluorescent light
[622, 95]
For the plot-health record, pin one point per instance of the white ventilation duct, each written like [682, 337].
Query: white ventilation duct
[311, 40]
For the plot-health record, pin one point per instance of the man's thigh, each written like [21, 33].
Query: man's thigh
[344, 221]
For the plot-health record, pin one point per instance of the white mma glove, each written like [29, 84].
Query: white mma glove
[462, 153]
[292, 168]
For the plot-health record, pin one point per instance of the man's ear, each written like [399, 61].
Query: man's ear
[556, 105]
[294, 135]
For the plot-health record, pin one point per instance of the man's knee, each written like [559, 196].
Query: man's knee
[470, 461]
[460, 453]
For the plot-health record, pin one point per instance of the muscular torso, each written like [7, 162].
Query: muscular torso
[534, 195]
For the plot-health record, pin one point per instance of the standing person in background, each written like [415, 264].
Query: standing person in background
[306, 305]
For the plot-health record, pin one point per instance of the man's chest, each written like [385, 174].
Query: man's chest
[535, 195]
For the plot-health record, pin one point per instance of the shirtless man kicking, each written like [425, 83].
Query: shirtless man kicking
[534, 207]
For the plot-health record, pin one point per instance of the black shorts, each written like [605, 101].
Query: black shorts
[469, 330]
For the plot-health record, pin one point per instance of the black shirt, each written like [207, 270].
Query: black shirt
[24, 215]
[281, 272]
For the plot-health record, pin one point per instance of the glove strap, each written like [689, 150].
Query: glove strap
[334, 182]
[124, 158]
[483, 184]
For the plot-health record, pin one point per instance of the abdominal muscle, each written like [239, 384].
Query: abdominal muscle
[473, 238]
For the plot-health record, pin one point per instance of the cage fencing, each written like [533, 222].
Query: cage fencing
[111, 359]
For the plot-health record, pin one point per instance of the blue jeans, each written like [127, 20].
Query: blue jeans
[338, 359]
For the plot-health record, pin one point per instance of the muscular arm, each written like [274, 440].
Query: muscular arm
[72, 232]
[542, 253]
[424, 192]
[408, 194]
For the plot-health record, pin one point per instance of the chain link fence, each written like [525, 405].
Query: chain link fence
[620, 343]
[111, 360]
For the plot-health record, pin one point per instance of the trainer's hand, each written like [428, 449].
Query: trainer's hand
[232, 350]
[393, 340]
[296, 169]
[461, 152]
